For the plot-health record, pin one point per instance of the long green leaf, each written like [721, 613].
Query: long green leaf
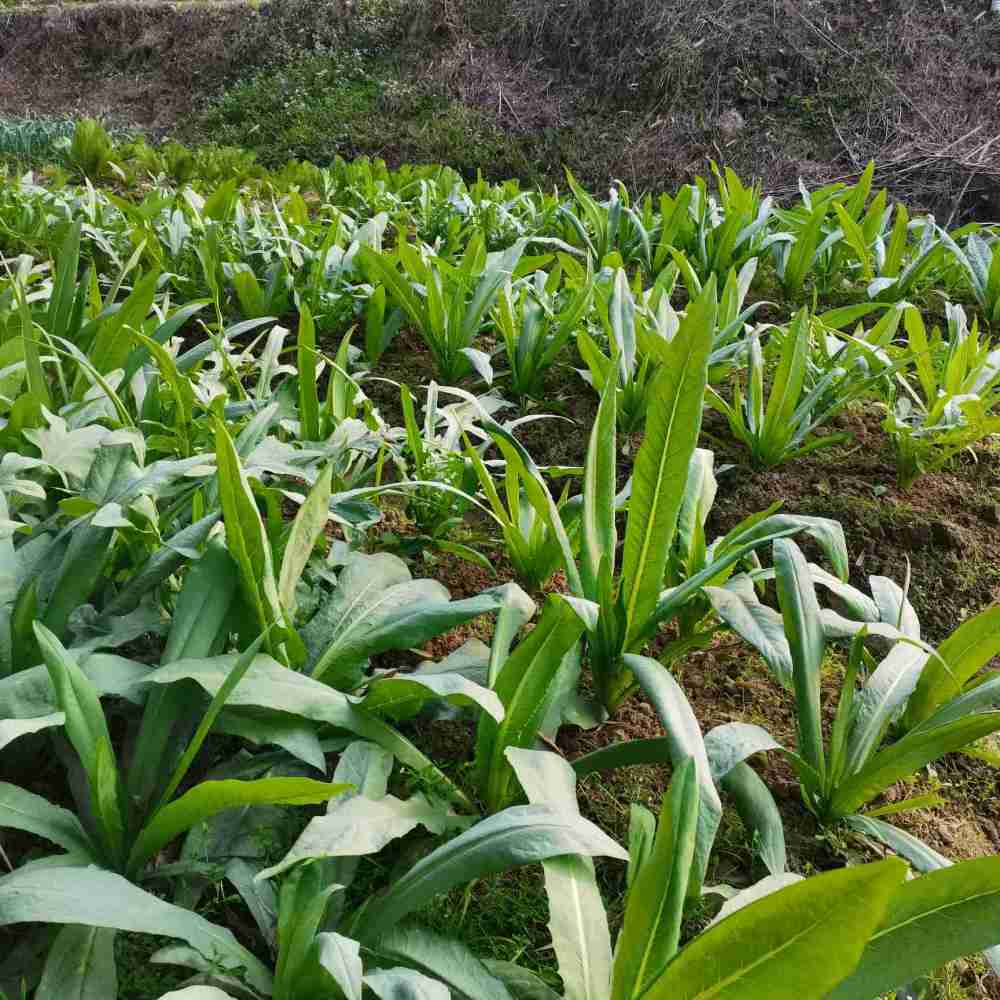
[23, 810]
[95, 898]
[38, 387]
[796, 943]
[931, 920]
[578, 923]
[906, 756]
[81, 568]
[526, 686]
[973, 644]
[113, 341]
[200, 624]
[759, 813]
[161, 565]
[208, 719]
[87, 730]
[80, 965]
[267, 684]
[445, 958]
[597, 535]
[684, 733]
[308, 393]
[661, 467]
[308, 526]
[787, 385]
[517, 836]
[245, 535]
[804, 630]
[212, 797]
[655, 908]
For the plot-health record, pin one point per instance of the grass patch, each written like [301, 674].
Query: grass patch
[137, 978]
[325, 106]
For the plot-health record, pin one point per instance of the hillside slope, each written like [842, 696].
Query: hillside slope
[638, 90]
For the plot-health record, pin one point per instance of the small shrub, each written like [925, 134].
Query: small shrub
[90, 149]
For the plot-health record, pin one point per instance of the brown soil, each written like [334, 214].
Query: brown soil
[138, 63]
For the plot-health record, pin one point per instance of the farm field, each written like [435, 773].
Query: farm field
[419, 585]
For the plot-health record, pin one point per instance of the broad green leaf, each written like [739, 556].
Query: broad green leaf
[878, 702]
[38, 388]
[80, 965]
[377, 606]
[523, 984]
[922, 857]
[578, 923]
[699, 495]
[517, 836]
[12, 729]
[358, 826]
[68, 452]
[827, 533]
[514, 613]
[786, 388]
[527, 684]
[759, 813]
[448, 960]
[798, 942]
[162, 564]
[201, 623]
[180, 387]
[203, 605]
[267, 684]
[79, 573]
[757, 624]
[641, 837]
[263, 727]
[931, 920]
[260, 898]
[381, 270]
[984, 694]
[211, 797]
[537, 492]
[303, 902]
[621, 315]
[23, 810]
[403, 695]
[29, 696]
[96, 898]
[733, 742]
[64, 286]
[340, 958]
[112, 341]
[894, 607]
[207, 721]
[405, 984]
[87, 730]
[661, 467]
